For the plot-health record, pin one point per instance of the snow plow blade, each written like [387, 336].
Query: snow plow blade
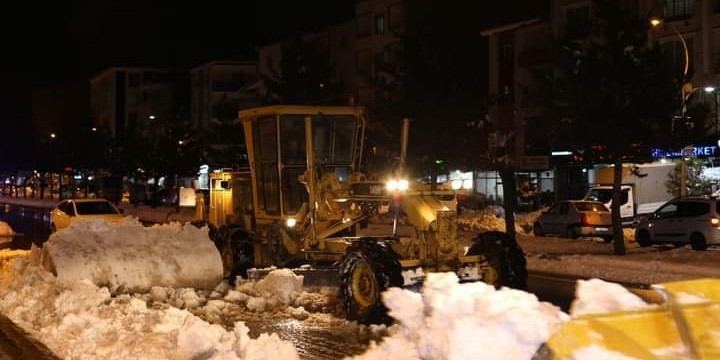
[129, 257]
[313, 278]
[685, 326]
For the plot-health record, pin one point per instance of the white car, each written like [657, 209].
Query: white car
[574, 218]
[70, 211]
[683, 220]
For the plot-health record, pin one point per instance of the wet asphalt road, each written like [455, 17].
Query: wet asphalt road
[322, 341]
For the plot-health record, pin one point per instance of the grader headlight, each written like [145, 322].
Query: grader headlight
[456, 184]
[290, 222]
[397, 185]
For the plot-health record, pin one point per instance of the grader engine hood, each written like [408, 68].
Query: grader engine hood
[422, 210]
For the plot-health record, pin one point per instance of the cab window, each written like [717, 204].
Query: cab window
[266, 165]
[95, 208]
[693, 208]
[563, 209]
[333, 139]
[667, 211]
[67, 208]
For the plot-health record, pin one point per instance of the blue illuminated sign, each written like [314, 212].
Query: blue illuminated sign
[695, 151]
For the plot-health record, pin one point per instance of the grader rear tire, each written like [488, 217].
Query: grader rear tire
[237, 252]
[369, 268]
[506, 264]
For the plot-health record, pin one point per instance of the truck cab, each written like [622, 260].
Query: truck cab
[604, 194]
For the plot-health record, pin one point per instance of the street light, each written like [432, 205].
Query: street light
[52, 135]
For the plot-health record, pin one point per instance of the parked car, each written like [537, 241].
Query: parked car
[683, 220]
[70, 211]
[574, 218]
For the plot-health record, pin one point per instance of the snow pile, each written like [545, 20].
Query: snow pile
[524, 224]
[281, 291]
[484, 220]
[127, 256]
[82, 321]
[5, 229]
[598, 296]
[465, 321]
[489, 219]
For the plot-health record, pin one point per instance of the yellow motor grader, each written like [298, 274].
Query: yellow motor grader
[303, 201]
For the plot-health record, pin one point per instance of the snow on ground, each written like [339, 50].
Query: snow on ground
[587, 259]
[5, 229]
[128, 256]
[88, 312]
[83, 321]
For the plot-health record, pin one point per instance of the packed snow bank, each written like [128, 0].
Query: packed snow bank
[490, 219]
[82, 321]
[465, 321]
[5, 229]
[129, 257]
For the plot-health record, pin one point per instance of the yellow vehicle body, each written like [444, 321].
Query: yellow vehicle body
[673, 330]
[303, 200]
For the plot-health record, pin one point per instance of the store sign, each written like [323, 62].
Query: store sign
[691, 151]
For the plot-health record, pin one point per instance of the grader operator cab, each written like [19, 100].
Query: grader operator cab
[303, 201]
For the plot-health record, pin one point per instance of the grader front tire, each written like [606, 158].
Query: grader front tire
[505, 263]
[369, 268]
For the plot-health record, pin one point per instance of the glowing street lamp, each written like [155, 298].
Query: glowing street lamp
[52, 135]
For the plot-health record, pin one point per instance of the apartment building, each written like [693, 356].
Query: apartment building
[219, 89]
[359, 48]
[126, 102]
[521, 49]
[337, 42]
[687, 30]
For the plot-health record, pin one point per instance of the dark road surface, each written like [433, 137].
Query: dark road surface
[319, 342]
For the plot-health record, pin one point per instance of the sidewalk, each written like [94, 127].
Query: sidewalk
[145, 213]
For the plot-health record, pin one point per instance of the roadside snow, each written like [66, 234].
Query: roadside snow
[129, 257]
[457, 321]
[5, 229]
[490, 219]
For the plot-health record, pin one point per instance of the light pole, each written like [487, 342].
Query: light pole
[686, 91]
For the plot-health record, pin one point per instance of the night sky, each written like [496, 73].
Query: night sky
[61, 41]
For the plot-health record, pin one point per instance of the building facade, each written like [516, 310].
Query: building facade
[220, 89]
[359, 49]
[126, 102]
[687, 30]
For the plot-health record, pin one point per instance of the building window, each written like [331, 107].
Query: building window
[577, 22]
[678, 8]
[379, 61]
[364, 62]
[396, 18]
[364, 25]
[380, 25]
[133, 79]
[505, 52]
